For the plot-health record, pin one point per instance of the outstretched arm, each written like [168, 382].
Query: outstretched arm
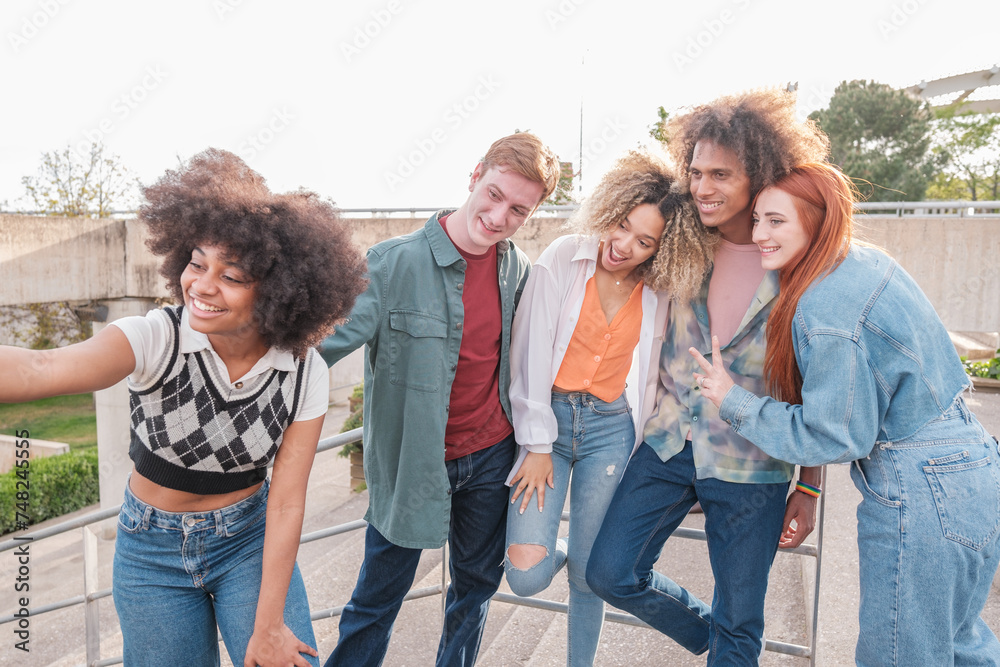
[97, 363]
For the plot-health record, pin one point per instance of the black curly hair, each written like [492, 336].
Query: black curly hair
[759, 126]
[294, 246]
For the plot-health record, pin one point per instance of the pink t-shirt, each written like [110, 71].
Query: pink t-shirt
[735, 279]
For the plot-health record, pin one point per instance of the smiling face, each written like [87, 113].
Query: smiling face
[721, 190]
[219, 295]
[634, 240]
[500, 201]
[778, 230]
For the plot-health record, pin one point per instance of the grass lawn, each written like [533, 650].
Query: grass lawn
[70, 419]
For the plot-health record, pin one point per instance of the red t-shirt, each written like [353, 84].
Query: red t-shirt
[476, 419]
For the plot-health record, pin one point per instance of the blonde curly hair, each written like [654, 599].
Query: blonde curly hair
[686, 247]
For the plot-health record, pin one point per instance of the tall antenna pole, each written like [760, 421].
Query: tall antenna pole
[579, 174]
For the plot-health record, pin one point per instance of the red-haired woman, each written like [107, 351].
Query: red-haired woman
[862, 370]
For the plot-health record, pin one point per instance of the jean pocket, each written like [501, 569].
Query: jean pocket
[617, 407]
[967, 496]
[128, 522]
[861, 482]
[245, 522]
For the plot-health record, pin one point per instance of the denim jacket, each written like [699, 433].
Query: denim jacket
[877, 365]
[410, 320]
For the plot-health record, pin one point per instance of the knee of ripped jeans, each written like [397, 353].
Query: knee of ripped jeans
[526, 556]
[527, 573]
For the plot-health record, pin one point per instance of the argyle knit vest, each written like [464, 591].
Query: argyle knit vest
[192, 432]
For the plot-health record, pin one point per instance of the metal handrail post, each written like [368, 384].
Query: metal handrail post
[91, 613]
[444, 581]
[813, 639]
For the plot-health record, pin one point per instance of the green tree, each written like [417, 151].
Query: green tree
[70, 184]
[970, 145]
[563, 194]
[882, 136]
[658, 129]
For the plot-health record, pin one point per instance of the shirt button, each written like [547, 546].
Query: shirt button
[460, 286]
[459, 326]
[607, 336]
[586, 383]
[694, 419]
[597, 358]
[238, 385]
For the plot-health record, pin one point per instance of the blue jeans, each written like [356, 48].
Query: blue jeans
[928, 527]
[742, 522]
[177, 575]
[476, 539]
[595, 440]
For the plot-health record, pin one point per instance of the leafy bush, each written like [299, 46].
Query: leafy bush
[355, 420]
[984, 369]
[57, 485]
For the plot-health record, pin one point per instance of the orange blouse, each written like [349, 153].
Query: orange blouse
[599, 355]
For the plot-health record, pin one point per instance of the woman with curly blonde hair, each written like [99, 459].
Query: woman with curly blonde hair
[592, 309]
[220, 386]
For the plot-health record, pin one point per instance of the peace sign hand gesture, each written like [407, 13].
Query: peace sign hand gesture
[714, 381]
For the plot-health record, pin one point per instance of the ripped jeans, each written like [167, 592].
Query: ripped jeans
[595, 441]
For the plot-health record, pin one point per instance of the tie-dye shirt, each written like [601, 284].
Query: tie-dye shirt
[719, 452]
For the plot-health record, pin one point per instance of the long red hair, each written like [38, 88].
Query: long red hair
[824, 202]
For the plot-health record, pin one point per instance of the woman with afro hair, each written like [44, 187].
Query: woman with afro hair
[593, 300]
[221, 385]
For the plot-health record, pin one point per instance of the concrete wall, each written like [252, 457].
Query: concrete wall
[955, 260]
[74, 259]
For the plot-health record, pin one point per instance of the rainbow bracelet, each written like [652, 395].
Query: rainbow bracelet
[807, 489]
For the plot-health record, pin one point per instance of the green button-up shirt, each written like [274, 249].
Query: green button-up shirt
[410, 320]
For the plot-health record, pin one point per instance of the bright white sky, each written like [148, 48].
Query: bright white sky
[391, 102]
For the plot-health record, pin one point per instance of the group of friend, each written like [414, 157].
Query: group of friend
[708, 326]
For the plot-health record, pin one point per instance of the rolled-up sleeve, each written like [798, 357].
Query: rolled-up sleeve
[531, 355]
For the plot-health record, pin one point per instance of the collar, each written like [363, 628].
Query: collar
[195, 341]
[444, 251]
[587, 249]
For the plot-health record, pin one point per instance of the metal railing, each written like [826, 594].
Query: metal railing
[943, 208]
[92, 595]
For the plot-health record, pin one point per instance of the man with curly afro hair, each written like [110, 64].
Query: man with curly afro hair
[438, 440]
[729, 150]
